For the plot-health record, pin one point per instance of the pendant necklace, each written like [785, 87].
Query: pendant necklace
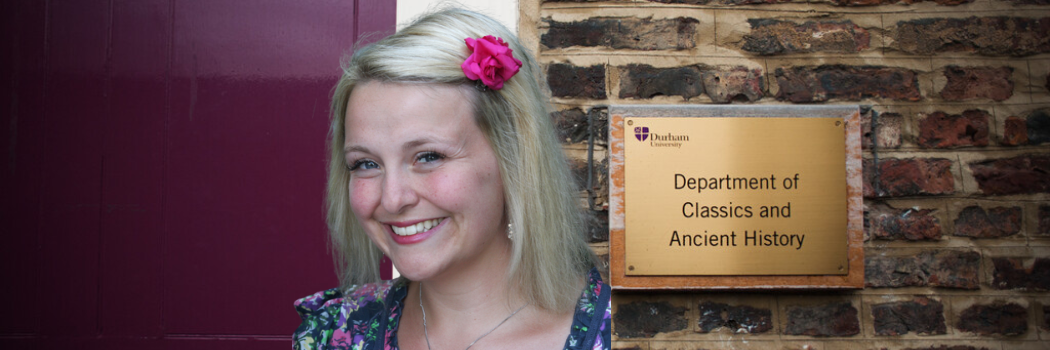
[427, 336]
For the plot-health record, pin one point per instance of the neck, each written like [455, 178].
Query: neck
[472, 290]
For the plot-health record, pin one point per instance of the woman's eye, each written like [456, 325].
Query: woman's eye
[363, 164]
[427, 157]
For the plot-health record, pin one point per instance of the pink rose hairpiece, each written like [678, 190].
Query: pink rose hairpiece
[491, 61]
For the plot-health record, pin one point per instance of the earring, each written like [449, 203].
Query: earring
[510, 231]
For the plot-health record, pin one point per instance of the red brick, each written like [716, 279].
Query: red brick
[1010, 273]
[991, 36]
[646, 318]
[947, 347]
[887, 132]
[737, 318]
[994, 319]
[998, 222]
[971, 83]
[1015, 132]
[805, 84]
[942, 130]
[640, 81]
[830, 320]
[1046, 318]
[773, 37]
[908, 177]
[1026, 174]
[910, 224]
[726, 84]
[930, 268]
[920, 315]
[571, 81]
[623, 33]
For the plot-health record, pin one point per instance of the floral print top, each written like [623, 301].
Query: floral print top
[366, 317]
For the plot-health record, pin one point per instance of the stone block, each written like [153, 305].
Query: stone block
[727, 84]
[933, 268]
[647, 318]
[1025, 174]
[943, 130]
[991, 36]
[920, 315]
[910, 224]
[1010, 273]
[978, 222]
[971, 83]
[774, 37]
[580, 82]
[642, 81]
[894, 177]
[998, 318]
[623, 33]
[828, 320]
[807, 84]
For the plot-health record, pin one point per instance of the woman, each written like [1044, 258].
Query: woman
[444, 159]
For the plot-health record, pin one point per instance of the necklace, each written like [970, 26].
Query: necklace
[427, 336]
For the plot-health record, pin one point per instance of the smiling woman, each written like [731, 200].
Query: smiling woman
[444, 159]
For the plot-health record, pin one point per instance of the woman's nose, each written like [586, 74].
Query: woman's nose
[398, 192]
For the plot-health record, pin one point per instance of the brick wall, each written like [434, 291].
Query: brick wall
[957, 168]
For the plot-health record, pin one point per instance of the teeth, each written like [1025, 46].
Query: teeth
[417, 228]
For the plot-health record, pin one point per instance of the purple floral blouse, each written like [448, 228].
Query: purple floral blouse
[366, 317]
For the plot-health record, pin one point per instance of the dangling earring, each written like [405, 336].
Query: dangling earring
[510, 231]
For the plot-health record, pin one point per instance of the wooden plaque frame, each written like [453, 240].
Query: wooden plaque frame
[854, 279]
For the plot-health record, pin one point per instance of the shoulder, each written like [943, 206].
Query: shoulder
[332, 318]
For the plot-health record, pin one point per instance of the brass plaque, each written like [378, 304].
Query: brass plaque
[735, 196]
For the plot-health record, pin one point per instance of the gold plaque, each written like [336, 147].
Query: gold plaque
[735, 196]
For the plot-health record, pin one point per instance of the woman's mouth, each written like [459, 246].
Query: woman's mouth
[416, 228]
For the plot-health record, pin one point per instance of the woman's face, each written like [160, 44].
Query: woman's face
[425, 182]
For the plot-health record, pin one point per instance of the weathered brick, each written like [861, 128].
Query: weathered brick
[646, 318]
[894, 177]
[773, 37]
[598, 226]
[804, 84]
[943, 268]
[623, 33]
[992, 36]
[943, 130]
[946, 347]
[890, 2]
[575, 126]
[570, 81]
[920, 315]
[1015, 132]
[691, 2]
[737, 318]
[911, 224]
[640, 81]
[1037, 126]
[996, 318]
[970, 83]
[830, 320]
[1010, 273]
[887, 131]
[725, 84]
[1026, 174]
[1044, 221]
[998, 222]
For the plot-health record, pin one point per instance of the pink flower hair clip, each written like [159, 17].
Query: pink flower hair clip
[492, 61]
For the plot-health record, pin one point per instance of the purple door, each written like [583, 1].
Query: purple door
[163, 168]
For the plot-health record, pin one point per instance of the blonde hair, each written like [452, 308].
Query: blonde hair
[549, 255]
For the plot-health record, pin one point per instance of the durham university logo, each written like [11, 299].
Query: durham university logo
[641, 132]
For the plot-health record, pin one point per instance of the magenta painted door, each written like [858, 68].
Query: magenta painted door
[163, 168]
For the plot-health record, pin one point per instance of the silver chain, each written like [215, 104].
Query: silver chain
[427, 336]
